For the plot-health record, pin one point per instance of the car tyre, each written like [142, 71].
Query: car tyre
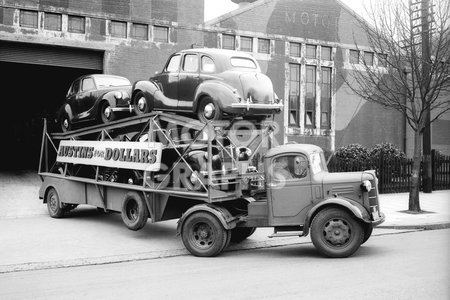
[54, 205]
[209, 110]
[140, 104]
[65, 123]
[106, 113]
[134, 211]
[335, 233]
[203, 235]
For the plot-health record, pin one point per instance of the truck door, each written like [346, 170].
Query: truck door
[289, 184]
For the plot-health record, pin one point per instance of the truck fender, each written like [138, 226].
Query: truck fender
[149, 88]
[353, 207]
[222, 214]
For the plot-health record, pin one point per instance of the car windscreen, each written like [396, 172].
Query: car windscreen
[111, 81]
[242, 62]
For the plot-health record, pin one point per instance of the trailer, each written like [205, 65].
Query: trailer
[220, 179]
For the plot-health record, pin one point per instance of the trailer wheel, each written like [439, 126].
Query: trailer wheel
[209, 110]
[203, 235]
[140, 104]
[335, 233]
[106, 113]
[54, 205]
[134, 211]
[238, 234]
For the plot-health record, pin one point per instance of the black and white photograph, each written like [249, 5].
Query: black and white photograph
[225, 149]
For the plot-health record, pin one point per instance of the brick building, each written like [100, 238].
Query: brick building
[304, 46]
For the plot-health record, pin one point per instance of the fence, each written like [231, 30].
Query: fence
[394, 175]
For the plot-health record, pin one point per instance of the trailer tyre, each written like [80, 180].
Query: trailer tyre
[335, 233]
[204, 235]
[238, 234]
[54, 205]
[134, 211]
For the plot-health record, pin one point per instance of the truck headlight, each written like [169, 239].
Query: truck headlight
[366, 185]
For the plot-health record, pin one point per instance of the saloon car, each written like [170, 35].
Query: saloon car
[208, 83]
[95, 97]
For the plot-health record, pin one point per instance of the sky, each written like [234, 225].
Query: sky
[215, 8]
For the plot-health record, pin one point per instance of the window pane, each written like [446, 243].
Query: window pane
[310, 100]
[190, 63]
[246, 43]
[228, 42]
[118, 29]
[295, 49]
[326, 53]
[76, 24]
[29, 18]
[325, 101]
[208, 65]
[354, 57]
[161, 34]
[52, 21]
[310, 51]
[368, 58]
[173, 64]
[382, 60]
[263, 46]
[139, 31]
[294, 95]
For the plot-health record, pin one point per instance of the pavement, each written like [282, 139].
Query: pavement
[31, 240]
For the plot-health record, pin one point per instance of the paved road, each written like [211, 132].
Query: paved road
[407, 265]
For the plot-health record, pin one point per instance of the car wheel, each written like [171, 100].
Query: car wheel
[140, 104]
[335, 233]
[204, 235]
[54, 205]
[106, 113]
[65, 123]
[209, 110]
[134, 211]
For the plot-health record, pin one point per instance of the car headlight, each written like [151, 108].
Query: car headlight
[118, 95]
[366, 185]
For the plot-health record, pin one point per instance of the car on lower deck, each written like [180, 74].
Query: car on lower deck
[209, 83]
[95, 97]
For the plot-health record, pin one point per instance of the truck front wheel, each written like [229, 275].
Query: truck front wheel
[335, 233]
[134, 211]
[54, 205]
[204, 235]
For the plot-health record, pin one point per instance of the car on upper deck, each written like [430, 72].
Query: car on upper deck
[95, 97]
[210, 83]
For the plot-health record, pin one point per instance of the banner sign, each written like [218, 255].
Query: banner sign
[144, 156]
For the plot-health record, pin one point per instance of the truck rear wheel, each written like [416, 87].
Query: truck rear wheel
[204, 235]
[134, 211]
[335, 233]
[238, 234]
[54, 205]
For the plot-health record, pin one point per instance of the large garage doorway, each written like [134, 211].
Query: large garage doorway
[35, 80]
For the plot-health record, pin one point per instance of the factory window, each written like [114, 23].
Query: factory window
[29, 18]
[295, 49]
[161, 34]
[52, 21]
[246, 43]
[311, 51]
[368, 58]
[326, 53]
[139, 31]
[228, 42]
[76, 24]
[354, 57]
[310, 99]
[263, 46]
[118, 29]
[294, 95]
[325, 101]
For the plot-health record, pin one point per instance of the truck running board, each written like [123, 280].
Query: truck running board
[286, 233]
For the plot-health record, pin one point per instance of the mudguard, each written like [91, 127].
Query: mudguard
[149, 88]
[353, 207]
[221, 93]
[222, 214]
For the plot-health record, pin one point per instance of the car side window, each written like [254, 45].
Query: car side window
[208, 65]
[75, 87]
[190, 63]
[173, 64]
[88, 84]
